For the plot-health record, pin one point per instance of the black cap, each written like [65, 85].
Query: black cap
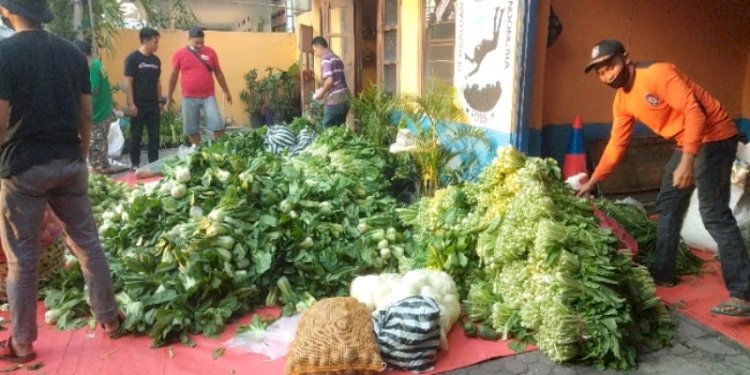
[35, 10]
[603, 51]
[196, 32]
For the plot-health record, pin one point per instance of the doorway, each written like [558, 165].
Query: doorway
[367, 44]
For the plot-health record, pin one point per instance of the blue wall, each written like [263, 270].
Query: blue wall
[743, 124]
[480, 156]
[552, 140]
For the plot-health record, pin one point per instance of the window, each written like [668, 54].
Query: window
[389, 42]
[439, 42]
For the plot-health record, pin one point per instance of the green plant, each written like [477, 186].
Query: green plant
[442, 136]
[277, 91]
[108, 18]
[170, 131]
[61, 25]
[374, 110]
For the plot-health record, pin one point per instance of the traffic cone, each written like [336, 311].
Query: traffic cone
[575, 159]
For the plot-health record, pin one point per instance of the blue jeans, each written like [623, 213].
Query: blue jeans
[713, 168]
[335, 115]
[191, 114]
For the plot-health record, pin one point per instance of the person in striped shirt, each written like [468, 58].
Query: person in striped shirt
[334, 91]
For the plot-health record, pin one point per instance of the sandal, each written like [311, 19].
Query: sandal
[120, 331]
[7, 353]
[733, 307]
[664, 284]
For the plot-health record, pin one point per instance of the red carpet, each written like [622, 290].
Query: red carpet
[86, 352]
[130, 179]
[695, 297]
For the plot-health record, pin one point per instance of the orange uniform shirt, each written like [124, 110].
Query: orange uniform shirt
[671, 105]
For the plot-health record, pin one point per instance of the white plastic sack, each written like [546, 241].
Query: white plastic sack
[115, 140]
[694, 233]
[406, 141]
[274, 342]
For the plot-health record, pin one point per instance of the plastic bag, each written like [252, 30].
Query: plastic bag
[274, 342]
[408, 333]
[115, 140]
[405, 141]
[694, 233]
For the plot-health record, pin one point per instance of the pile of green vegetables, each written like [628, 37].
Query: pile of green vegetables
[635, 221]
[538, 266]
[443, 236]
[232, 227]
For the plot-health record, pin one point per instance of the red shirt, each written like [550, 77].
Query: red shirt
[196, 80]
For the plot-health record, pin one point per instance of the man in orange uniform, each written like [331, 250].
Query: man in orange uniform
[674, 107]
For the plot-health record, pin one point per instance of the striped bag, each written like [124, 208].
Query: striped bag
[408, 333]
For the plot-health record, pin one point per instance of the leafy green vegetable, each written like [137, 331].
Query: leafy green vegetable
[177, 271]
[643, 229]
[218, 352]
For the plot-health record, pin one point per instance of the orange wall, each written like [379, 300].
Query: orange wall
[238, 53]
[746, 95]
[708, 40]
[540, 55]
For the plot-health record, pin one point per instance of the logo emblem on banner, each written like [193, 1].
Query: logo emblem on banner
[486, 61]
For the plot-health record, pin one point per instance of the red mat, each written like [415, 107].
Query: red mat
[130, 179]
[85, 352]
[695, 297]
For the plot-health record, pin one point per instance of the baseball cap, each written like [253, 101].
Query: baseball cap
[196, 32]
[603, 51]
[35, 10]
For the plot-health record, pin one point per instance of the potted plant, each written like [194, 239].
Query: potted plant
[443, 138]
[273, 98]
[252, 98]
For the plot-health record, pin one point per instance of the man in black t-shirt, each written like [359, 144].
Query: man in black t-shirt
[45, 125]
[143, 89]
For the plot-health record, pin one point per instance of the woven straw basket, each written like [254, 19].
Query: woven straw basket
[51, 262]
[335, 336]
[52, 258]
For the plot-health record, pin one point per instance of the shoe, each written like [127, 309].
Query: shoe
[7, 353]
[664, 284]
[732, 307]
[120, 331]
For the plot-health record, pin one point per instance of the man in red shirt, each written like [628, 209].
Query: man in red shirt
[676, 108]
[198, 64]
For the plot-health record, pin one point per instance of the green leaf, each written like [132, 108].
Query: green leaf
[517, 346]
[263, 261]
[269, 220]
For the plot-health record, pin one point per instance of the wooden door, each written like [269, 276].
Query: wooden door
[337, 18]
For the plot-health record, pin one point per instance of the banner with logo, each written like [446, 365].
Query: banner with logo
[486, 61]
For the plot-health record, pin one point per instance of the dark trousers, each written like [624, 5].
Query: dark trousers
[149, 117]
[713, 168]
[23, 198]
[335, 115]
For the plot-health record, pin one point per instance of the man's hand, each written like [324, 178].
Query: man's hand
[169, 103]
[586, 188]
[318, 94]
[684, 175]
[228, 95]
[132, 110]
